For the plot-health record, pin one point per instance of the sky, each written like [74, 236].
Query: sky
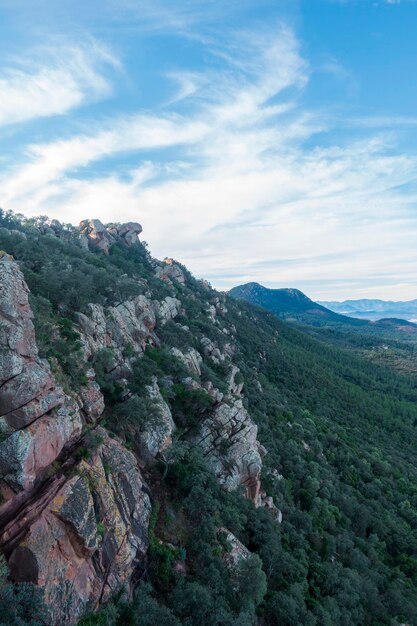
[254, 140]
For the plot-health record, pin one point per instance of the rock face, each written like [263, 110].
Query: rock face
[99, 236]
[191, 359]
[34, 411]
[167, 309]
[236, 551]
[76, 528]
[169, 271]
[128, 325]
[90, 537]
[155, 436]
[229, 440]
[74, 519]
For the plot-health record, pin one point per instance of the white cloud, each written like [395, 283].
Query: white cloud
[55, 80]
[247, 196]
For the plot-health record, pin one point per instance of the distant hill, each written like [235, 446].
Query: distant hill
[289, 304]
[374, 309]
[294, 305]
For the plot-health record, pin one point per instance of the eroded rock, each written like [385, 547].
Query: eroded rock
[191, 359]
[90, 537]
[229, 440]
[155, 435]
[39, 417]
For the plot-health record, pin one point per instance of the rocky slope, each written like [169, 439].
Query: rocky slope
[171, 455]
[76, 524]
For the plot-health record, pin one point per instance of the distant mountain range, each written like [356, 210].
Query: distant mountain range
[292, 304]
[374, 309]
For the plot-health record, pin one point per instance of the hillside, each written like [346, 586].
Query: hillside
[289, 304]
[218, 464]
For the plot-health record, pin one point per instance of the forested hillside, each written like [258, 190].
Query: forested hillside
[227, 468]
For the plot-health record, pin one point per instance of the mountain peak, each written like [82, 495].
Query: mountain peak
[284, 302]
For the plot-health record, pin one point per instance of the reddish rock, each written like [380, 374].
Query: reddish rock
[90, 537]
[34, 410]
[92, 401]
[169, 271]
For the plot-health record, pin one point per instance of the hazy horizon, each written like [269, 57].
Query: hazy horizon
[258, 141]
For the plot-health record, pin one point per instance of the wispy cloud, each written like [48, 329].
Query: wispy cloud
[56, 79]
[240, 187]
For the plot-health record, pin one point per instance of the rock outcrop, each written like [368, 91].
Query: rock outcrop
[127, 326]
[75, 510]
[155, 435]
[228, 438]
[191, 359]
[37, 418]
[93, 232]
[235, 551]
[90, 536]
[77, 528]
[169, 271]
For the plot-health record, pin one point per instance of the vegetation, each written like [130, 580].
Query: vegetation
[337, 417]
[21, 604]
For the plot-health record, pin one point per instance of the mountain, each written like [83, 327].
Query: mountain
[172, 455]
[287, 304]
[375, 309]
[293, 305]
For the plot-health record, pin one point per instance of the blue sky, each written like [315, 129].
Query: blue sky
[267, 140]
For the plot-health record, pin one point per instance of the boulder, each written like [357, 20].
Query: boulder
[169, 271]
[96, 234]
[129, 232]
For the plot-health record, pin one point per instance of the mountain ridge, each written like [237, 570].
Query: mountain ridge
[172, 455]
[374, 309]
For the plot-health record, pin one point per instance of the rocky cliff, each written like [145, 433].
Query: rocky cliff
[75, 506]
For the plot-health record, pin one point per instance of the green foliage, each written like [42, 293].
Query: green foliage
[174, 335]
[21, 604]
[131, 415]
[103, 364]
[101, 530]
[189, 405]
[59, 343]
[336, 411]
